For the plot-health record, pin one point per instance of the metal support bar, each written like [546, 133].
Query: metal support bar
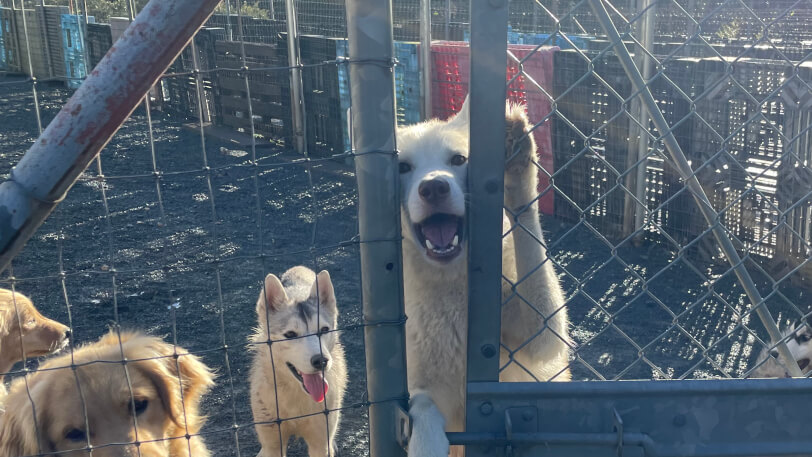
[296, 91]
[647, 64]
[687, 174]
[425, 57]
[741, 417]
[486, 167]
[372, 89]
[487, 93]
[91, 117]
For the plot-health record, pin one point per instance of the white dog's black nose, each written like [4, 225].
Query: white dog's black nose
[434, 190]
[319, 362]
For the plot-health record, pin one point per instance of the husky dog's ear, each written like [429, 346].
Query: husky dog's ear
[463, 115]
[323, 289]
[271, 297]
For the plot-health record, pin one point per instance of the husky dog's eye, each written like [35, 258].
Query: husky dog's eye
[803, 337]
[140, 405]
[324, 330]
[404, 167]
[458, 160]
[291, 334]
[75, 435]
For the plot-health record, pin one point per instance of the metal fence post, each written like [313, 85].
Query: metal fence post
[93, 115]
[296, 91]
[372, 88]
[425, 56]
[487, 92]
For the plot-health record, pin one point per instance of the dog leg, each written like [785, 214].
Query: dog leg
[546, 354]
[428, 428]
[315, 435]
[271, 442]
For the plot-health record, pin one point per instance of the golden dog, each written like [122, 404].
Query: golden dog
[25, 333]
[148, 410]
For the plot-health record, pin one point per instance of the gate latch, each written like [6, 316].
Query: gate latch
[618, 421]
[521, 419]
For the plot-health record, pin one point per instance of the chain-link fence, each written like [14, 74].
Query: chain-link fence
[200, 194]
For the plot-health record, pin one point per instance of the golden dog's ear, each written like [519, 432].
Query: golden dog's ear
[18, 429]
[180, 378]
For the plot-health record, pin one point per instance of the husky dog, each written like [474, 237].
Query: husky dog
[298, 369]
[535, 340]
[769, 364]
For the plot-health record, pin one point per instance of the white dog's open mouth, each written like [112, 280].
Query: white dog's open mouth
[313, 383]
[441, 235]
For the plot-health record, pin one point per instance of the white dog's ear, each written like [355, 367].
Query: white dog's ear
[323, 289]
[271, 297]
[463, 115]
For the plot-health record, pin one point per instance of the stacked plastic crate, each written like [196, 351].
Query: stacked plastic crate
[569, 41]
[407, 85]
[50, 18]
[449, 87]
[3, 55]
[73, 49]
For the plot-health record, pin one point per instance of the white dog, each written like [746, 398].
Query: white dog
[433, 163]
[800, 346]
[299, 365]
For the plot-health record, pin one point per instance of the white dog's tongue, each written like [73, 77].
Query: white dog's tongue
[440, 231]
[316, 386]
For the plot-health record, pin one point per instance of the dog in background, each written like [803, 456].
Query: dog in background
[769, 364]
[535, 330]
[299, 367]
[25, 333]
[154, 403]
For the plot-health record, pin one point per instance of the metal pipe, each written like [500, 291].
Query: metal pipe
[647, 43]
[372, 91]
[296, 92]
[487, 93]
[91, 117]
[606, 444]
[687, 174]
[425, 57]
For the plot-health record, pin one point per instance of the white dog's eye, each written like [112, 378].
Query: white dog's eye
[458, 160]
[404, 167]
[291, 334]
[75, 435]
[324, 330]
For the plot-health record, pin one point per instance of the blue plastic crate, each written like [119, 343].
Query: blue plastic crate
[73, 48]
[407, 82]
[407, 85]
[3, 59]
[342, 50]
[580, 41]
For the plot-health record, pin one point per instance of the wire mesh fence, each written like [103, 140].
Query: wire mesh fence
[199, 196]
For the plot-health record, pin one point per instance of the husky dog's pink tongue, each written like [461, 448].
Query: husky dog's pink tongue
[316, 386]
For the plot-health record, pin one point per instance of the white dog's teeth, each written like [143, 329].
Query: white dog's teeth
[429, 245]
[456, 240]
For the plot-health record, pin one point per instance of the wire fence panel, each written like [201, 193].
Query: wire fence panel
[199, 196]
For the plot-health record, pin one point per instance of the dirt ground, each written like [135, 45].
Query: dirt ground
[134, 245]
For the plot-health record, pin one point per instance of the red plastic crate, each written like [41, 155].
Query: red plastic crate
[450, 71]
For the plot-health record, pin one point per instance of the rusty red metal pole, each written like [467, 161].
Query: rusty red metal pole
[93, 115]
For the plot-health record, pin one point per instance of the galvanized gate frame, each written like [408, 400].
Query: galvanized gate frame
[622, 418]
